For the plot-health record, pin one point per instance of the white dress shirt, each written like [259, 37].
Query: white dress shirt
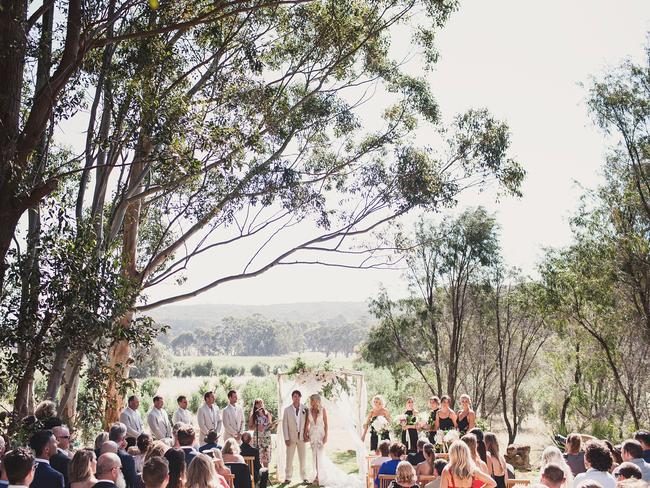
[602, 477]
[209, 419]
[233, 421]
[183, 416]
[159, 424]
[131, 418]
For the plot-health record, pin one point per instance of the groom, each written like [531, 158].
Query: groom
[295, 428]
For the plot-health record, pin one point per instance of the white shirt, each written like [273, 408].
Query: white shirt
[183, 416]
[644, 467]
[209, 419]
[131, 418]
[159, 424]
[40, 460]
[233, 421]
[17, 486]
[602, 477]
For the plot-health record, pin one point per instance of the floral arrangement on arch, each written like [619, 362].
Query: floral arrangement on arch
[331, 380]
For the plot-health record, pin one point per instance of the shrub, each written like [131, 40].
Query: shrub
[259, 369]
[264, 388]
[231, 371]
[202, 368]
[195, 400]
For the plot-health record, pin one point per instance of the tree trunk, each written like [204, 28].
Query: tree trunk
[119, 360]
[70, 389]
[56, 372]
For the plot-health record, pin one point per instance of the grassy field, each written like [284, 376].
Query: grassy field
[272, 361]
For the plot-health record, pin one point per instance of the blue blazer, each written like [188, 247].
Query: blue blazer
[47, 477]
[190, 453]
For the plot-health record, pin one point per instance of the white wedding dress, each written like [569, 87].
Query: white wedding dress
[316, 440]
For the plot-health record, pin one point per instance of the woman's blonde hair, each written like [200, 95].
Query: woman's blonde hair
[100, 439]
[45, 410]
[461, 464]
[80, 466]
[230, 447]
[316, 398]
[405, 473]
[201, 473]
[157, 448]
[380, 398]
[553, 455]
[472, 443]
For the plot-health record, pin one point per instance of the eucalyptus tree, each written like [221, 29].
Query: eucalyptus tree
[428, 330]
[215, 125]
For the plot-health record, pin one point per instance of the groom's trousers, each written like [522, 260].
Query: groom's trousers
[291, 450]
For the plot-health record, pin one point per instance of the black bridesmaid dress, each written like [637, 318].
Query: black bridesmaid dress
[374, 436]
[410, 436]
[432, 420]
[463, 424]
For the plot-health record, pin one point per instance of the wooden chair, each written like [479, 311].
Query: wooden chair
[372, 474]
[250, 460]
[230, 478]
[385, 479]
[424, 479]
[442, 455]
[516, 482]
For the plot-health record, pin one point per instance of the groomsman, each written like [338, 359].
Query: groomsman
[294, 428]
[182, 415]
[233, 418]
[131, 418]
[208, 416]
[158, 420]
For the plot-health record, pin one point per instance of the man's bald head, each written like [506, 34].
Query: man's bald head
[109, 447]
[108, 466]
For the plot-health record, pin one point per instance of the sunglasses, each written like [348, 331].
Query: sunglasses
[63, 437]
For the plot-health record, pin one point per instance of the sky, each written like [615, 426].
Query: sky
[524, 61]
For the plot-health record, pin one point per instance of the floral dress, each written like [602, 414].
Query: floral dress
[262, 438]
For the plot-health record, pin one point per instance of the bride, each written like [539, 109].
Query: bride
[316, 435]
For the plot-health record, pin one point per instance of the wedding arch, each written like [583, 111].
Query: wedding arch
[345, 397]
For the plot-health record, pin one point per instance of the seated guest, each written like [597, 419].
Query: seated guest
[219, 465]
[383, 447]
[143, 444]
[553, 455]
[82, 469]
[438, 468]
[210, 441]
[201, 474]
[158, 448]
[117, 434]
[425, 468]
[44, 444]
[260, 474]
[461, 471]
[572, 454]
[176, 462]
[99, 442]
[405, 476]
[109, 447]
[472, 443]
[643, 437]
[155, 473]
[230, 452]
[632, 452]
[109, 471]
[626, 471]
[18, 465]
[186, 436]
[417, 457]
[61, 459]
[598, 462]
[553, 475]
[395, 452]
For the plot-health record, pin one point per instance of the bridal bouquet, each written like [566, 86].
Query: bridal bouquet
[401, 419]
[451, 436]
[380, 424]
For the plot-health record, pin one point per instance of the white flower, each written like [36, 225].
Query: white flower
[379, 424]
[451, 436]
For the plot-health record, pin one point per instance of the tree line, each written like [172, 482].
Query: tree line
[259, 336]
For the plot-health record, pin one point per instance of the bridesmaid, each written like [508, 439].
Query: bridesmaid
[378, 409]
[434, 404]
[410, 428]
[446, 418]
[466, 417]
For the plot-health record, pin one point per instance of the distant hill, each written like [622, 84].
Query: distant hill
[183, 318]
